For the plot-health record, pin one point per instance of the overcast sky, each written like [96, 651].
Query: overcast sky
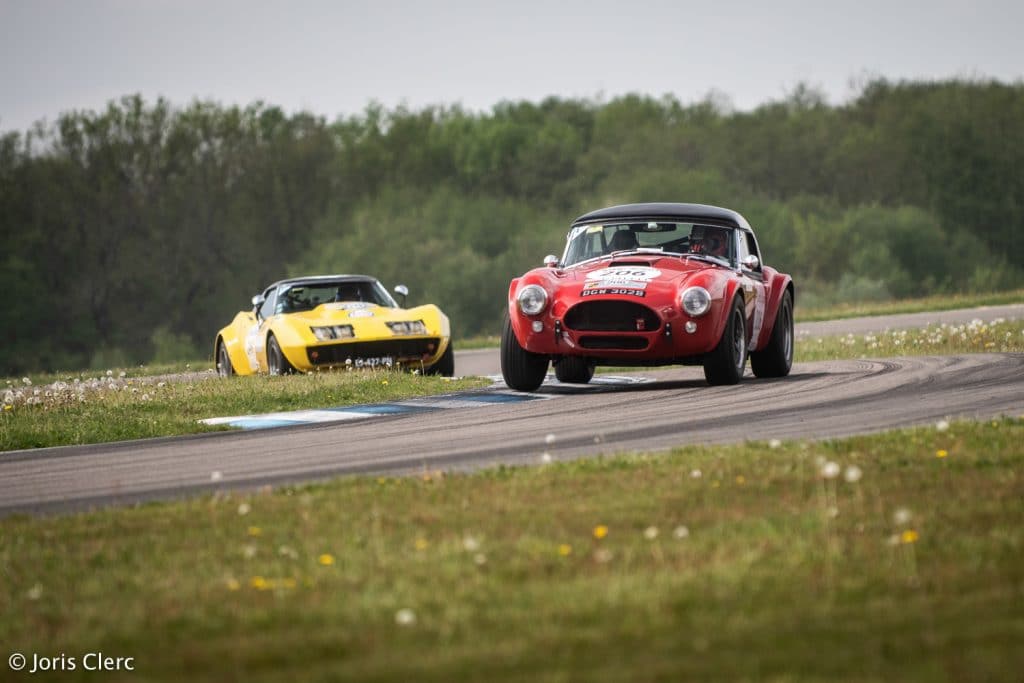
[333, 58]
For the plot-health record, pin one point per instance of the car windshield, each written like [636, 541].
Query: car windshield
[307, 296]
[593, 241]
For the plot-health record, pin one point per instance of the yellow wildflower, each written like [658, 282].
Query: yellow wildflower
[326, 559]
[741, 480]
[255, 531]
[941, 453]
[909, 536]
[259, 583]
[421, 544]
[233, 584]
[565, 550]
[600, 531]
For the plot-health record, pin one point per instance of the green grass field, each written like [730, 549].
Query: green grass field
[117, 408]
[893, 557]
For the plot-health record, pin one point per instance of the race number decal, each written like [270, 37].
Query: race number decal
[624, 274]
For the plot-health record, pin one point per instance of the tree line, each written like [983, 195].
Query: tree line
[134, 233]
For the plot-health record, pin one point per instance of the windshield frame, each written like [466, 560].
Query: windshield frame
[379, 292]
[679, 246]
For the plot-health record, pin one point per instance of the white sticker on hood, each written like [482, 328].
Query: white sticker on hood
[624, 274]
[347, 306]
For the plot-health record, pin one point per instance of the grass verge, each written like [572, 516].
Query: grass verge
[116, 408]
[894, 556]
[944, 302]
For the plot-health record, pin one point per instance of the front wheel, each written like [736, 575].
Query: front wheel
[522, 370]
[224, 367]
[574, 370]
[445, 366]
[776, 359]
[277, 364]
[725, 364]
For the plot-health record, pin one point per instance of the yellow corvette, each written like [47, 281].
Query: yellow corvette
[330, 321]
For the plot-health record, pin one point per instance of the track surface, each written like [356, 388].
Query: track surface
[818, 400]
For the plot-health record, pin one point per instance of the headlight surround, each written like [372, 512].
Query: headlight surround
[332, 332]
[695, 301]
[532, 299]
[408, 327]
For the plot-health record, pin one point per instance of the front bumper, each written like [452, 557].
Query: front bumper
[401, 351]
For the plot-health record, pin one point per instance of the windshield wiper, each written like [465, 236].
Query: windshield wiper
[709, 259]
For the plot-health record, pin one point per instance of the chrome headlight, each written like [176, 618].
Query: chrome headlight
[332, 332]
[532, 299]
[410, 327]
[695, 301]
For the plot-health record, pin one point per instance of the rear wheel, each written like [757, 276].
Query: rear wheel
[776, 359]
[522, 370]
[446, 365]
[277, 364]
[574, 370]
[725, 364]
[224, 367]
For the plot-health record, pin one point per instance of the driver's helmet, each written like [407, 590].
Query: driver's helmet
[710, 241]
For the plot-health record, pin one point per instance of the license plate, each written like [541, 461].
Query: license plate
[376, 362]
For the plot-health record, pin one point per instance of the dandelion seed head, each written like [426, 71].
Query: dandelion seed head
[603, 556]
[830, 470]
[216, 475]
[774, 443]
[549, 439]
[35, 592]
[853, 474]
[243, 508]
[470, 543]
[696, 474]
[545, 458]
[681, 532]
[651, 533]
[405, 617]
[942, 425]
[480, 559]
[902, 516]
[249, 552]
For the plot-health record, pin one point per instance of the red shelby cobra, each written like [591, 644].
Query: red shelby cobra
[650, 284]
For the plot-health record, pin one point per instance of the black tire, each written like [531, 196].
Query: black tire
[522, 370]
[224, 366]
[445, 366]
[725, 364]
[277, 364]
[776, 359]
[574, 370]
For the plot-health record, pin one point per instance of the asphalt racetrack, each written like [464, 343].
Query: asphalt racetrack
[642, 411]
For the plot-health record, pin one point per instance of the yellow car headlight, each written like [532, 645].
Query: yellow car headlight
[408, 327]
[332, 332]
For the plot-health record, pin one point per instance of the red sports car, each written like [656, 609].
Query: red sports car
[650, 284]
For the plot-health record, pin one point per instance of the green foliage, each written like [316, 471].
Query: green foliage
[117, 223]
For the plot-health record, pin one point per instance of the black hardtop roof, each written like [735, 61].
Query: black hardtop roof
[317, 279]
[661, 210]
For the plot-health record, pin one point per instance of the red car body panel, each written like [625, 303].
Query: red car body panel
[624, 283]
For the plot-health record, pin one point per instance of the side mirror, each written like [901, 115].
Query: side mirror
[751, 262]
[550, 260]
[402, 291]
[257, 301]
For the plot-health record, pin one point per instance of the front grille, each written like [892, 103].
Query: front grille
[399, 349]
[609, 343]
[612, 316]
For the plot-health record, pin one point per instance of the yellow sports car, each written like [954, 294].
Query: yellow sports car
[333, 321]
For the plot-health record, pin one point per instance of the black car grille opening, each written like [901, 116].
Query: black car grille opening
[398, 349]
[616, 342]
[612, 316]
